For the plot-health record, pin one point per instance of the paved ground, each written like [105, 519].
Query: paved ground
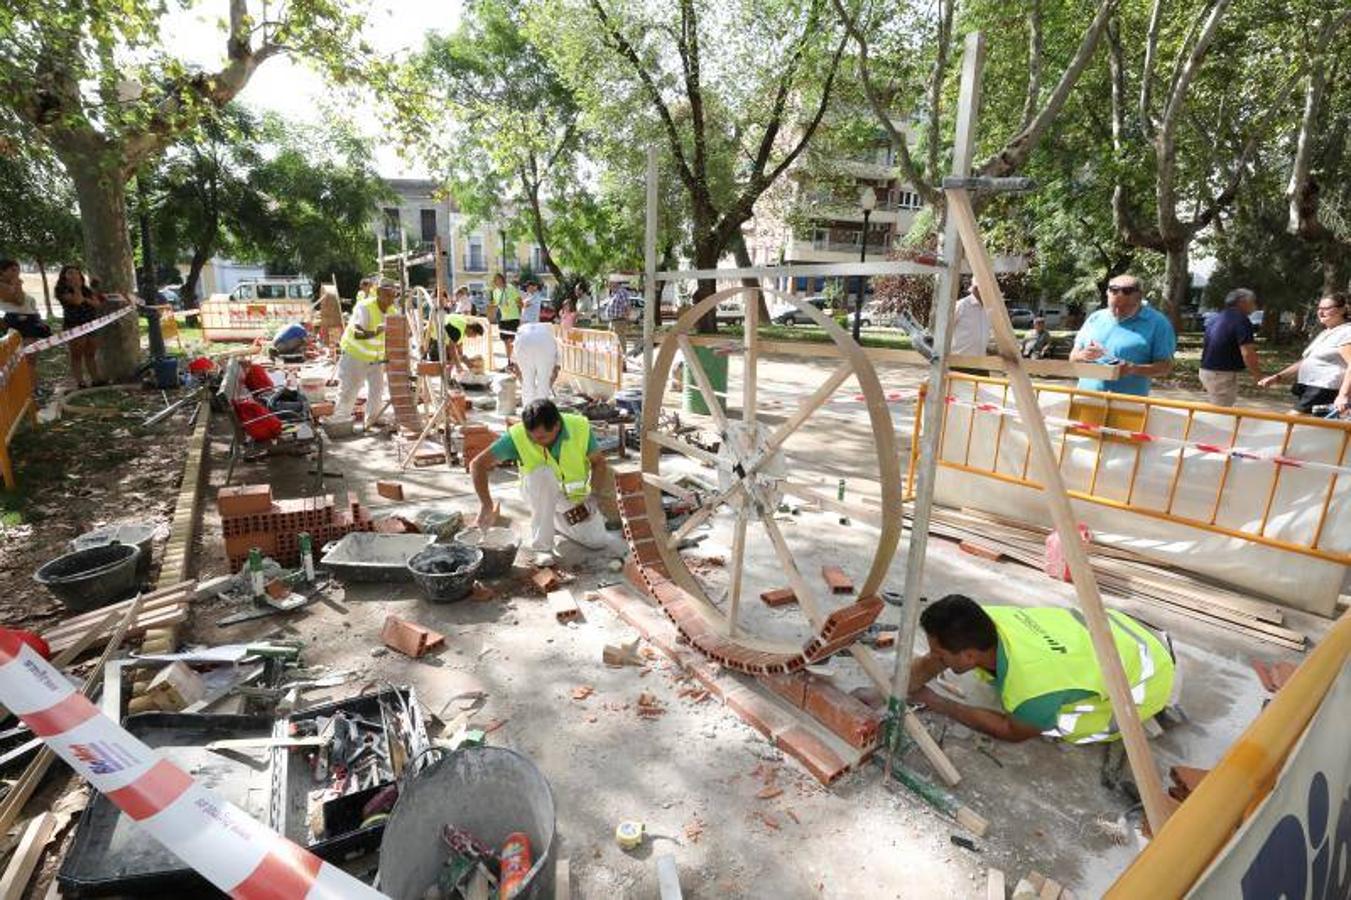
[693, 773]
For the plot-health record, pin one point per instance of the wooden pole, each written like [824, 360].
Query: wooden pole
[945, 297]
[650, 293]
[1156, 802]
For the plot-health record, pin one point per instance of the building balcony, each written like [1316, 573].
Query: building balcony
[475, 263]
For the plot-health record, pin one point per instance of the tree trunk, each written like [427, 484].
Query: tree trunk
[107, 252]
[46, 288]
[706, 257]
[1333, 265]
[743, 261]
[200, 255]
[1177, 283]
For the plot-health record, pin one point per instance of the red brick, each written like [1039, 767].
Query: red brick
[846, 716]
[982, 550]
[629, 482]
[322, 409]
[545, 579]
[634, 574]
[637, 529]
[824, 763]
[408, 638]
[839, 582]
[753, 709]
[244, 500]
[390, 490]
[240, 545]
[779, 597]
[791, 687]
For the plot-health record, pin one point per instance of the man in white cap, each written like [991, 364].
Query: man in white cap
[363, 355]
[536, 361]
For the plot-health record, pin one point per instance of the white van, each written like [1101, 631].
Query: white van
[1054, 315]
[283, 288]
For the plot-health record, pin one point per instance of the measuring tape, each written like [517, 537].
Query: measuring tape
[225, 845]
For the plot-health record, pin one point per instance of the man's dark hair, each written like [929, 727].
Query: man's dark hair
[959, 624]
[6, 264]
[473, 329]
[540, 414]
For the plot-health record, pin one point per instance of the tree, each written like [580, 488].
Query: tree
[1185, 142]
[734, 91]
[39, 222]
[95, 83]
[495, 119]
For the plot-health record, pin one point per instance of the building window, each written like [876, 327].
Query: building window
[474, 260]
[429, 225]
[908, 200]
[538, 261]
[392, 224]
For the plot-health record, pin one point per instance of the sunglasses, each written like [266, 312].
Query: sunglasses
[1122, 289]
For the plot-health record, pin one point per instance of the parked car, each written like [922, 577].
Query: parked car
[1055, 316]
[791, 315]
[733, 309]
[169, 296]
[1020, 317]
[272, 289]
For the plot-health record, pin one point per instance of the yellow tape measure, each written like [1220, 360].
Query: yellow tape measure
[629, 835]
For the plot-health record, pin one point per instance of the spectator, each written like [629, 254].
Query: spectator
[1128, 333]
[532, 303]
[970, 325]
[1323, 375]
[617, 312]
[1230, 347]
[464, 304]
[583, 302]
[507, 300]
[20, 310]
[79, 305]
[1037, 344]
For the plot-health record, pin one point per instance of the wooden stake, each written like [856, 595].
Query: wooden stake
[26, 857]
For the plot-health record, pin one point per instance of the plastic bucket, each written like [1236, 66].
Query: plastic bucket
[487, 791]
[141, 534]
[93, 577]
[499, 546]
[166, 372]
[715, 367]
[446, 572]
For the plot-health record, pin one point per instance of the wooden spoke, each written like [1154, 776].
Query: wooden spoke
[738, 562]
[804, 492]
[663, 439]
[700, 515]
[696, 369]
[806, 597]
[671, 487]
[809, 406]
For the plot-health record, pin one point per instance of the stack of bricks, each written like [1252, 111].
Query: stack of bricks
[851, 719]
[399, 374]
[647, 569]
[251, 518]
[477, 438]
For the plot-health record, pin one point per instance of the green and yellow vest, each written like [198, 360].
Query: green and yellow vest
[508, 302]
[571, 468]
[1049, 649]
[370, 349]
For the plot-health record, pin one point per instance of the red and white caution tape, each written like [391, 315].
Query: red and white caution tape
[57, 340]
[221, 842]
[1142, 437]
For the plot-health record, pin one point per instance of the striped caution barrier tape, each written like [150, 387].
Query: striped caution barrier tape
[60, 338]
[1141, 437]
[221, 842]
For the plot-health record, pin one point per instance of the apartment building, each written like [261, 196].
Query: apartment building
[420, 215]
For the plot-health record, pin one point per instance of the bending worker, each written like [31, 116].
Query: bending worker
[456, 328]
[561, 469]
[536, 362]
[1041, 662]
[363, 355]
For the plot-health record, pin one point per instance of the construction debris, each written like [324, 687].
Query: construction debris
[408, 638]
[564, 605]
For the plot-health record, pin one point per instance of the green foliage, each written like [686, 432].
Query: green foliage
[39, 221]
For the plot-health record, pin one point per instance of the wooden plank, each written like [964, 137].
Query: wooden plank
[668, 878]
[267, 741]
[994, 885]
[563, 879]
[1158, 806]
[25, 858]
[1050, 890]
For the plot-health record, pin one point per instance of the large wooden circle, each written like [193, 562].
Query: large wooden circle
[888, 461]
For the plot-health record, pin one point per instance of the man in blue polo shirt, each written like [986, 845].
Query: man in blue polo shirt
[1230, 347]
[1138, 338]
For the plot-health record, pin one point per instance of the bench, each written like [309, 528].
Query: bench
[300, 435]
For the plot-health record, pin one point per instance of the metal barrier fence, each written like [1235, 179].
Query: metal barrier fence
[16, 398]
[591, 356]
[1243, 473]
[226, 320]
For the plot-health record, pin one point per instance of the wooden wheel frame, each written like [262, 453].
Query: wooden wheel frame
[745, 464]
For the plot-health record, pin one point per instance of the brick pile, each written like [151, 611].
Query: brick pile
[840, 629]
[251, 518]
[851, 719]
[399, 374]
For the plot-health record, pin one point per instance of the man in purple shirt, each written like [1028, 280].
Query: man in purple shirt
[1230, 347]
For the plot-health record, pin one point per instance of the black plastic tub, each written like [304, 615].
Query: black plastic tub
[96, 576]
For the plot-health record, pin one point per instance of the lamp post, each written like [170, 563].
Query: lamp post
[867, 199]
[508, 213]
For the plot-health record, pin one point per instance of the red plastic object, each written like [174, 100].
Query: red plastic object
[1054, 564]
[516, 862]
[33, 640]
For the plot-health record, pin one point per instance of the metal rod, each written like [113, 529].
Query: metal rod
[650, 295]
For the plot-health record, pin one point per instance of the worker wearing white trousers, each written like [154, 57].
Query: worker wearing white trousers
[363, 355]
[536, 361]
[543, 494]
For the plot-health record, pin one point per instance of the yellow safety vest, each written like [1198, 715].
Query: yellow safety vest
[508, 302]
[1049, 649]
[572, 469]
[370, 349]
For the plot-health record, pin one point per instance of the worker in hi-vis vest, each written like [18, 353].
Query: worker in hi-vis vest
[562, 468]
[1040, 662]
[506, 299]
[455, 328]
[363, 355]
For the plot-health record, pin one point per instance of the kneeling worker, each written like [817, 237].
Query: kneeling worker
[457, 328]
[1041, 662]
[561, 468]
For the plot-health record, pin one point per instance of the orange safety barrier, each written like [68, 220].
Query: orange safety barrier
[1165, 459]
[234, 320]
[17, 382]
[591, 355]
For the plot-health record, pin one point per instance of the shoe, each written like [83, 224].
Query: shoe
[544, 560]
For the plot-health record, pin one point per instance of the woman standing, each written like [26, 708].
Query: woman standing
[79, 305]
[1323, 374]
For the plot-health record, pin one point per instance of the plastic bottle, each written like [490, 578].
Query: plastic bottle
[516, 862]
[306, 554]
[256, 571]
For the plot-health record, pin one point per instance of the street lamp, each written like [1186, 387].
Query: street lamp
[508, 212]
[867, 198]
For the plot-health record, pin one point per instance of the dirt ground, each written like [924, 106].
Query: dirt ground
[704, 783]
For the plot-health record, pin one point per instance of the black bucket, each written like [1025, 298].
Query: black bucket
[499, 547]
[96, 576]
[487, 791]
[142, 534]
[446, 572]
